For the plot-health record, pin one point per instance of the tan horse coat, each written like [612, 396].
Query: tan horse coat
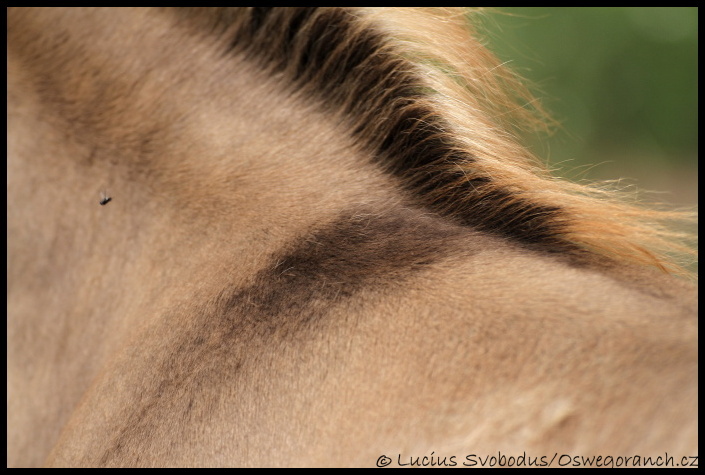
[312, 256]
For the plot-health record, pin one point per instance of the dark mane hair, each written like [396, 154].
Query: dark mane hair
[434, 108]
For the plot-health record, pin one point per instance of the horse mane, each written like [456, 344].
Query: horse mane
[433, 107]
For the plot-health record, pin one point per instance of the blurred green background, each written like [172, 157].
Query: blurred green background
[622, 82]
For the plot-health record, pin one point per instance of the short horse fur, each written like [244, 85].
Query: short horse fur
[324, 245]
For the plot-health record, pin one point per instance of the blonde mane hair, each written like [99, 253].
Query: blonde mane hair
[324, 245]
[436, 109]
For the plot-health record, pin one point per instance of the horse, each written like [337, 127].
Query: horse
[311, 237]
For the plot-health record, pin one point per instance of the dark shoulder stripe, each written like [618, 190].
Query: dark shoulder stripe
[359, 250]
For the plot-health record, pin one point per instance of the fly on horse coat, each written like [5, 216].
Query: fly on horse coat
[323, 246]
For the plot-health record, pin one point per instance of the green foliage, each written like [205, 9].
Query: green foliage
[622, 81]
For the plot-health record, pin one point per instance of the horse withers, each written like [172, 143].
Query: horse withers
[323, 246]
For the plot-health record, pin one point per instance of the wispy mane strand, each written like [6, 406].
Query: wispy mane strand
[434, 108]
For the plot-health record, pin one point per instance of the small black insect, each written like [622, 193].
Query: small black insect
[105, 199]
